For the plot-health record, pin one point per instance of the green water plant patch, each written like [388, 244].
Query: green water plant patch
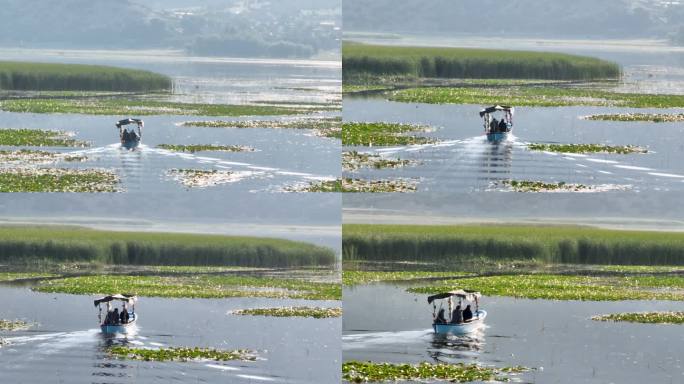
[561, 186]
[325, 126]
[535, 97]
[181, 354]
[349, 185]
[315, 312]
[38, 138]
[587, 148]
[644, 317]
[383, 134]
[649, 117]
[205, 148]
[13, 325]
[350, 278]
[195, 286]
[140, 107]
[363, 372]
[200, 178]
[29, 156]
[566, 287]
[58, 180]
[352, 161]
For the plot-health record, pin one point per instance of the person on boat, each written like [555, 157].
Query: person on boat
[124, 135]
[503, 127]
[494, 125]
[132, 135]
[467, 313]
[440, 317]
[124, 317]
[115, 316]
[457, 315]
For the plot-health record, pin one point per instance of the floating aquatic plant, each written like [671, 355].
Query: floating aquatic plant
[644, 317]
[325, 126]
[541, 186]
[382, 134]
[352, 161]
[203, 148]
[356, 185]
[351, 278]
[315, 312]
[195, 286]
[198, 178]
[38, 138]
[650, 117]
[140, 107]
[587, 148]
[57, 180]
[29, 156]
[13, 325]
[181, 354]
[565, 287]
[535, 97]
[362, 372]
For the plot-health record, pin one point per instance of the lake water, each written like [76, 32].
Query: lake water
[558, 339]
[251, 204]
[66, 346]
[459, 179]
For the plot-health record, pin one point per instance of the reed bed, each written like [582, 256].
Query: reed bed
[438, 62]
[550, 244]
[73, 244]
[26, 76]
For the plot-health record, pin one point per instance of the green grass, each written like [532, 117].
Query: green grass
[352, 161]
[195, 286]
[644, 317]
[535, 97]
[119, 107]
[546, 244]
[351, 278]
[649, 117]
[13, 325]
[382, 134]
[587, 148]
[180, 354]
[69, 77]
[57, 180]
[315, 312]
[382, 60]
[363, 372]
[74, 244]
[205, 148]
[566, 287]
[38, 138]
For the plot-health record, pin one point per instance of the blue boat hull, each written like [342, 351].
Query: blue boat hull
[497, 136]
[462, 328]
[131, 144]
[121, 328]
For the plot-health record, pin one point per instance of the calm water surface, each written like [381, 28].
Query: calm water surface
[557, 338]
[67, 347]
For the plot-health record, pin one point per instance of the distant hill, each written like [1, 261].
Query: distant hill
[539, 18]
[283, 28]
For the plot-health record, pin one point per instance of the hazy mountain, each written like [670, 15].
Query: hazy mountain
[538, 18]
[282, 28]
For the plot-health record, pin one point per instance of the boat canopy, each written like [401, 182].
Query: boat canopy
[130, 299]
[123, 122]
[461, 293]
[496, 108]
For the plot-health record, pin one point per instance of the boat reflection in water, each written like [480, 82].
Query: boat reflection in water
[454, 348]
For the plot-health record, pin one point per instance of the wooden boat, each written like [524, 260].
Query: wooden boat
[130, 139]
[455, 325]
[109, 325]
[497, 130]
